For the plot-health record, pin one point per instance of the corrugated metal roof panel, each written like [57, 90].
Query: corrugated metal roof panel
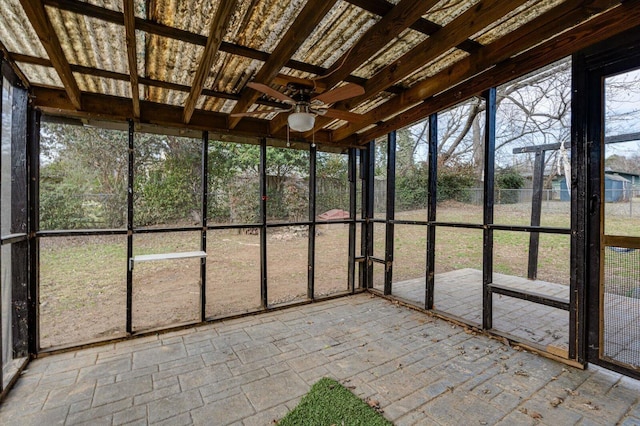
[448, 10]
[171, 60]
[107, 86]
[340, 29]
[189, 15]
[90, 42]
[230, 72]
[432, 68]
[406, 41]
[16, 31]
[370, 104]
[516, 19]
[38, 74]
[259, 24]
[166, 96]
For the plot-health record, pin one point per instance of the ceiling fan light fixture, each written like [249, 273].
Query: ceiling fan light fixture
[301, 119]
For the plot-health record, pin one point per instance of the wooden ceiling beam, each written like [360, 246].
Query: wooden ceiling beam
[56, 102]
[219, 25]
[597, 29]
[399, 18]
[17, 57]
[40, 22]
[547, 25]
[130, 34]
[382, 7]
[470, 22]
[155, 28]
[309, 17]
[396, 19]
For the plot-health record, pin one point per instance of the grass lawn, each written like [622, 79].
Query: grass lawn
[330, 403]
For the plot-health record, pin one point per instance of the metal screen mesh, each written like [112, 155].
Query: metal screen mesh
[621, 337]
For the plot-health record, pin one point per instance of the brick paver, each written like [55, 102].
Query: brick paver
[251, 371]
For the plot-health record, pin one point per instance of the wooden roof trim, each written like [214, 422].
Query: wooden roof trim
[382, 7]
[34, 10]
[541, 28]
[309, 17]
[130, 34]
[399, 18]
[599, 28]
[219, 25]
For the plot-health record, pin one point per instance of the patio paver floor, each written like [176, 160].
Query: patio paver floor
[251, 371]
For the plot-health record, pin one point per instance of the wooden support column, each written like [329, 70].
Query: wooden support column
[431, 210]
[203, 240]
[129, 320]
[352, 216]
[33, 165]
[489, 184]
[369, 175]
[313, 151]
[18, 225]
[391, 199]
[263, 224]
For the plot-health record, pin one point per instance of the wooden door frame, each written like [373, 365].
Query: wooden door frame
[590, 67]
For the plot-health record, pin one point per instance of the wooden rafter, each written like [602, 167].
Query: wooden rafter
[470, 22]
[34, 10]
[155, 28]
[399, 18]
[599, 28]
[302, 27]
[130, 31]
[538, 30]
[96, 72]
[218, 26]
[382, 7]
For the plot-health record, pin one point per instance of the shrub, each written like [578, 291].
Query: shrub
[511, 180]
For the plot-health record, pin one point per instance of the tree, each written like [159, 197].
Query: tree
[86, 168]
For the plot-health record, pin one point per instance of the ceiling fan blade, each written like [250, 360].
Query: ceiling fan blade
[271, 92]
[260, 112]
[339, 114]
[347, 91]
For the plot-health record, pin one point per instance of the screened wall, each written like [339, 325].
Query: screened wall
[142, 231]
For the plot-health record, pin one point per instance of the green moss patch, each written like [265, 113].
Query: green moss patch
[329, 403]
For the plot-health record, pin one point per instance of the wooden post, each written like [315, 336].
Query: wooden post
[389, 229]
[536, 212]
[432, 185]
[489, 185]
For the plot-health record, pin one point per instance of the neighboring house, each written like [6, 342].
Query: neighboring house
[618, 186]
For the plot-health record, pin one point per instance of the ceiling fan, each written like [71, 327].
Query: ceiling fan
[305, 104]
